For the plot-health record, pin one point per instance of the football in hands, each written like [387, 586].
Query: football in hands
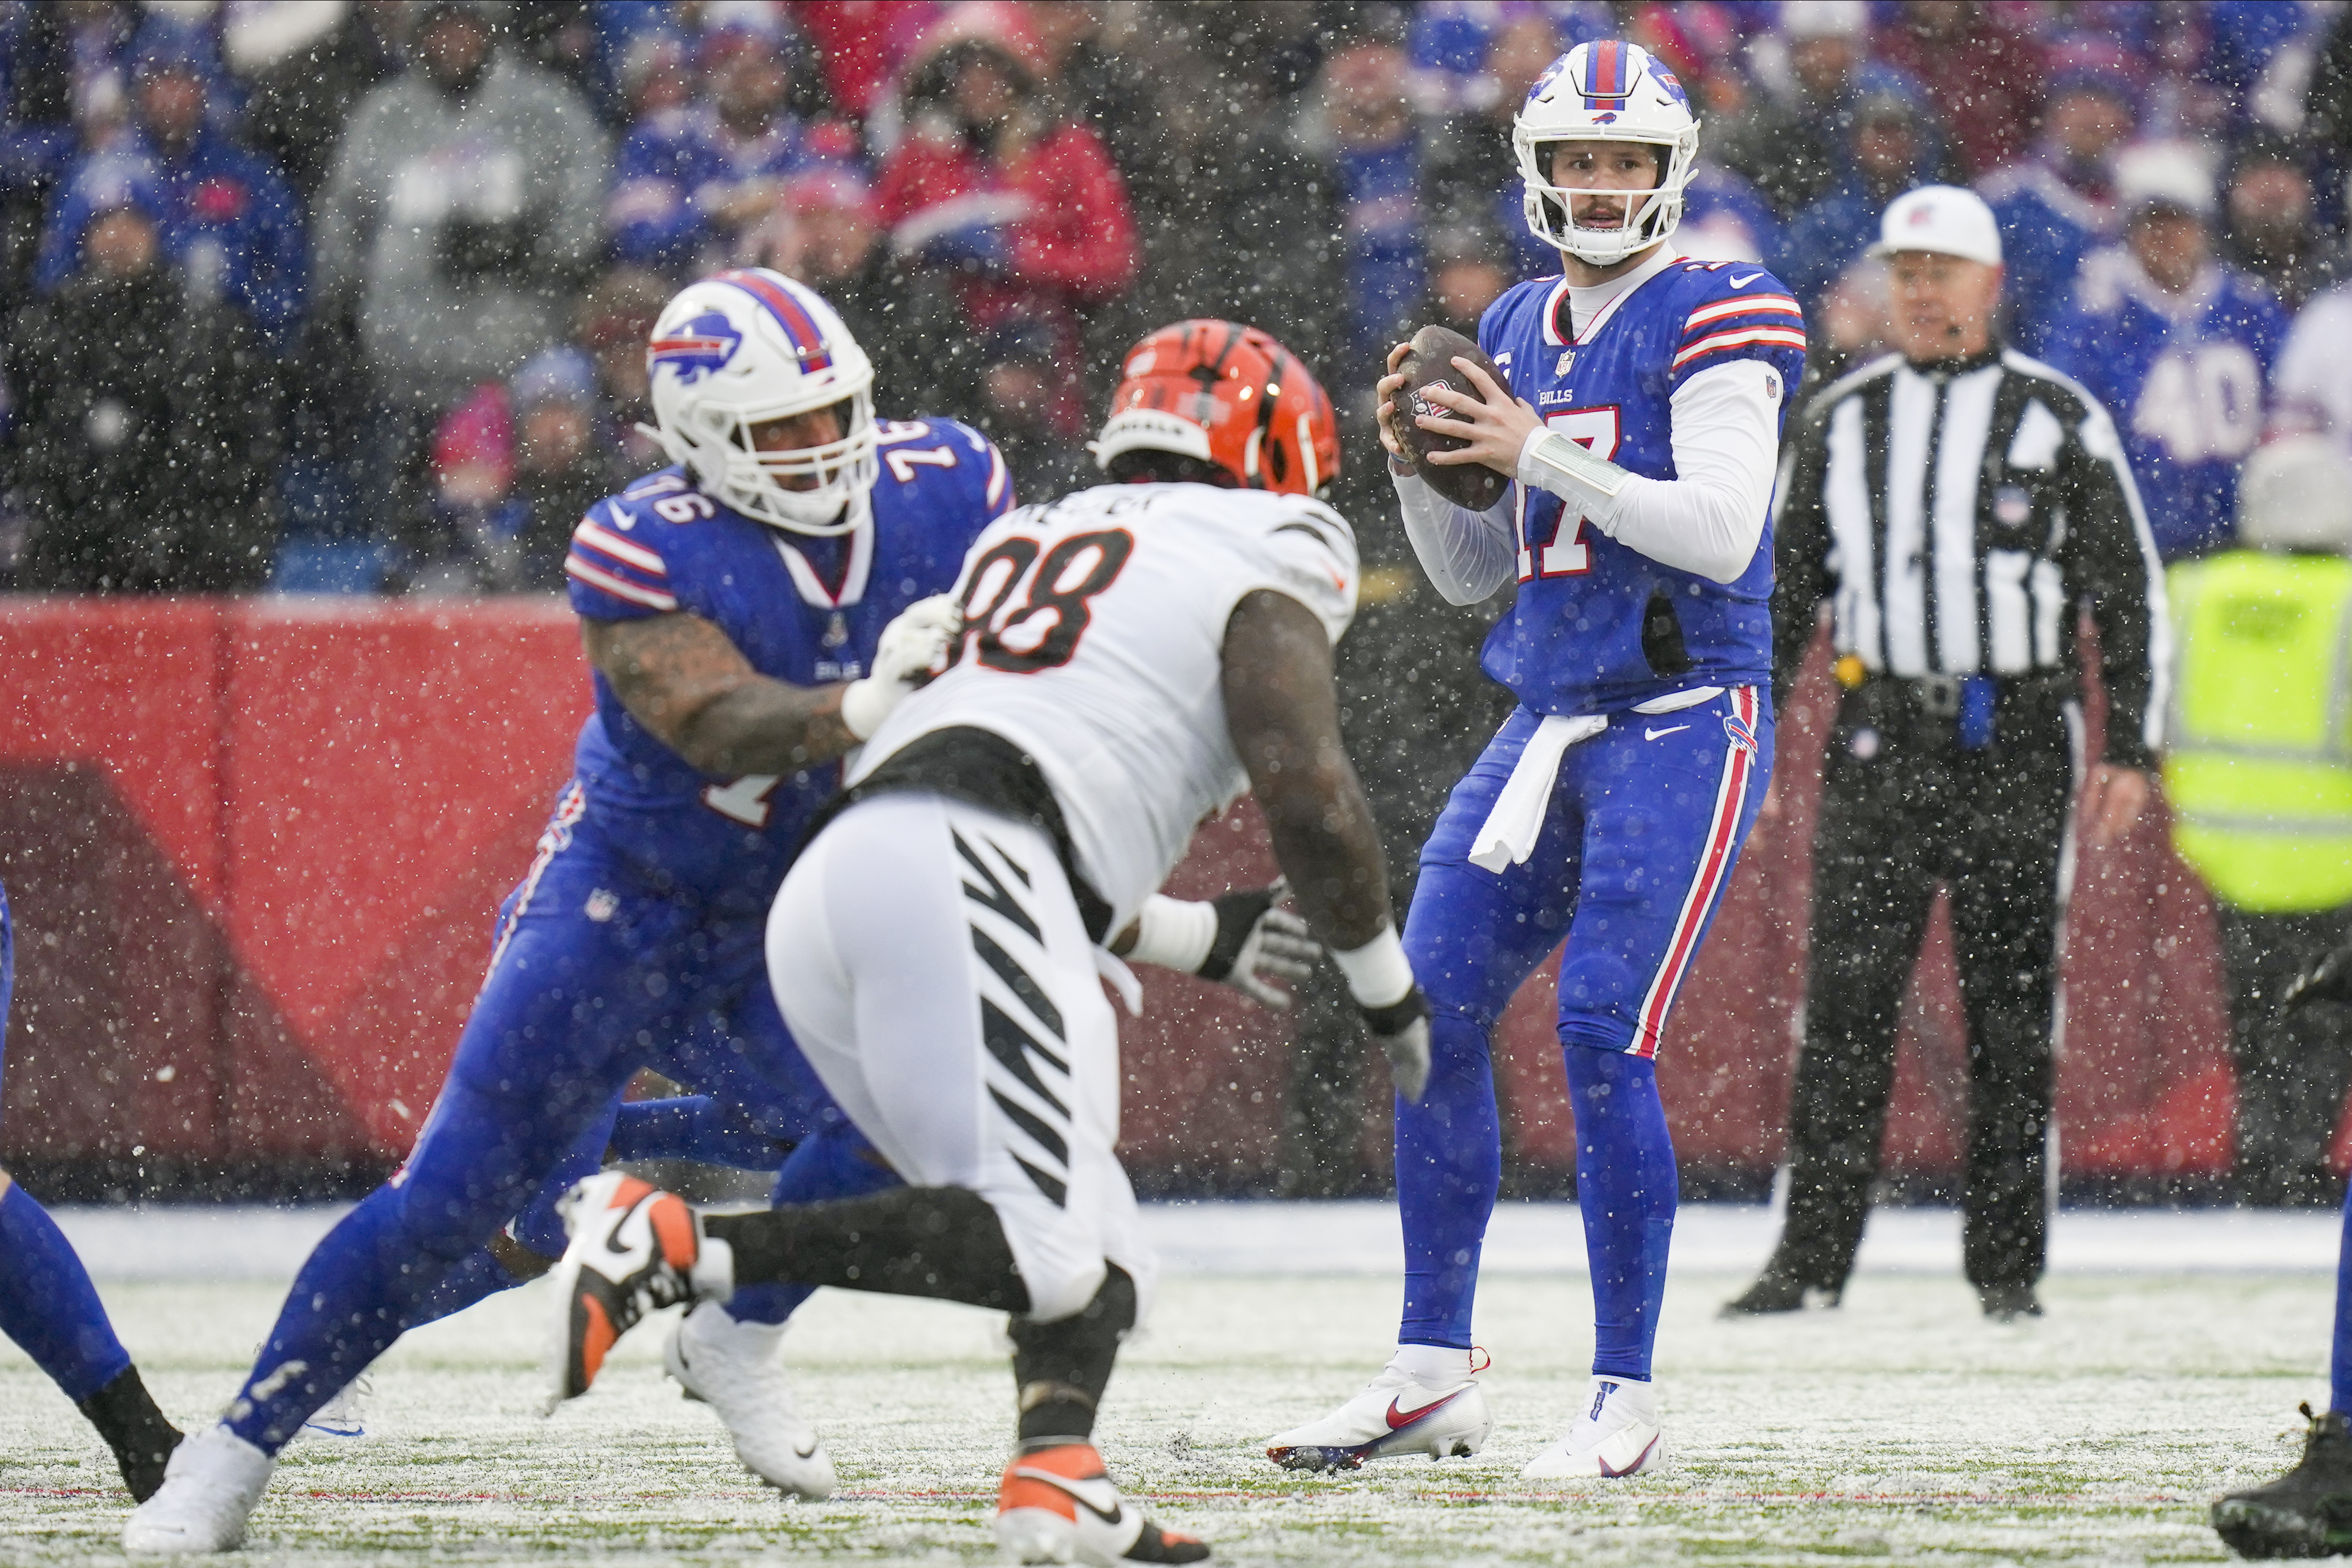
[1429, 363]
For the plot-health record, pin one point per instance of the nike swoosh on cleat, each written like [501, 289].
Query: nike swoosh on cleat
[1655, 734]
[807, 1453]
[1398, 1419]
[1744, 282]
[1061, 1484]
[1639, 1460]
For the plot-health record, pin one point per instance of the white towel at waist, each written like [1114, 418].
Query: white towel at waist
[1512, 828]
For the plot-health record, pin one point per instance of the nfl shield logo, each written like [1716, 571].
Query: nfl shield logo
[1567, 361]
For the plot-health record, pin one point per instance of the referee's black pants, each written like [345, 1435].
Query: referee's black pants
[1905, 809]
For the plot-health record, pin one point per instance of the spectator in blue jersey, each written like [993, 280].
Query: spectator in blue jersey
[693, 180]
[37, 134]
[1469, 178]
[1375, 159]
[2178, 343]
[1726, 218]
[2054, 207]
[1452, 46]
[1794, 139]
[1890, 151]
[230, 226]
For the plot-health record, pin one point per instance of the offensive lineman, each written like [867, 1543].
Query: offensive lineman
[751, 614]
[1610, 809]
[1132, 657]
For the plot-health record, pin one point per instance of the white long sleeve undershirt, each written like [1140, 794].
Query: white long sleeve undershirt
[1707, 520]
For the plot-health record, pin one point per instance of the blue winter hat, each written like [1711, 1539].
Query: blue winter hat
[556, 375]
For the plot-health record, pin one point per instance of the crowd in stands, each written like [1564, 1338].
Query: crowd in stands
[324, 295]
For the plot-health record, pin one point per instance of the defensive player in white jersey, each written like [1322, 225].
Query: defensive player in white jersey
[1133, 657]
[1640, 420]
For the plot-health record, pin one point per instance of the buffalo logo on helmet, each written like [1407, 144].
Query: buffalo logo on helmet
[703, 345]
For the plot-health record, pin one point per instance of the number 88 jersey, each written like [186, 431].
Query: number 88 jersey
[1094, 640]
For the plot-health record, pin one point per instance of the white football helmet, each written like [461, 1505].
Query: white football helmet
[1605, 91]
[745, 347]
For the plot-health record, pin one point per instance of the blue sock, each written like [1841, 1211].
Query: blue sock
[1449, 1166]
[47, 1304]
[2339, 1396]
[830, 1165]
[1626, 1185]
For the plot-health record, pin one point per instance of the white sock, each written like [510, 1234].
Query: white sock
[1433, 1366]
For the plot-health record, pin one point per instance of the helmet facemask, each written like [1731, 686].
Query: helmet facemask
[1650, 214]
[756, 483]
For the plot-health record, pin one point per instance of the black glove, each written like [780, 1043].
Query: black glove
[2329, 980]
[1257, 943]
[1402, 1032]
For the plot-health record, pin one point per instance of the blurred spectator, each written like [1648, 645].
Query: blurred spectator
[1982, 70]
[1460, 51]
[37, 133]
[2177, 343]
[146, 427]
[863, 44]
[828, 235]
[470, 546]
[693, 180]
[465, 200]
[1018, 385]
[2256, 776]
[1888, 155]
[1375, 152]
[305, 66]
[612, 324]
[1112, 91]
[2274, 232]
[1018, 204]
[565, 460]
[231, 227]
[1725, 218]
[1470, 188]
[2057, 204]
[1795, 139]
[2327, 105]
[1462, 281]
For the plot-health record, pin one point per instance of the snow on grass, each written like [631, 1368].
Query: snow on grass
[1900, 1429]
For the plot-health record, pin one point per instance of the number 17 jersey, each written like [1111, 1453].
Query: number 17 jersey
[1598, 626]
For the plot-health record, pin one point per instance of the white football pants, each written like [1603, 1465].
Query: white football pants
[931, 962]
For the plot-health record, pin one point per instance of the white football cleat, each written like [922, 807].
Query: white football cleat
[210, 1487]
[1618, 1435]
[732, 1367]
[1396, 1414]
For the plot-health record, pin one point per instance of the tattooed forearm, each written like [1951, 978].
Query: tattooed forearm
[681, 677]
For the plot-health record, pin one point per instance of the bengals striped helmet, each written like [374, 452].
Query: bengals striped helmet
[1229, 396]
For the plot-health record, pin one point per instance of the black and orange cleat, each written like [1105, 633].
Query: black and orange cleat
[1057, 1505]
[634, 1251]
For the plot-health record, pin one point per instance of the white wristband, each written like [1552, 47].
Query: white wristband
[866, 703]
[1377, 974]
[1173, 934]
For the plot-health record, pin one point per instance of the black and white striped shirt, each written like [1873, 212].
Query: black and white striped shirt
[1955, 514]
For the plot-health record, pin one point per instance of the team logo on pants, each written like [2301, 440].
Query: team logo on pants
[1742, 733]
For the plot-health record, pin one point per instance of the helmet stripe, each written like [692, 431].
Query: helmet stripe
[1605, 73]
[800, 328]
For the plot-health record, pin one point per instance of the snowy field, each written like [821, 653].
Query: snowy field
[1901, 1428]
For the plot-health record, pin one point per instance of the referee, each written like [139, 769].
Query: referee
[1954, 503]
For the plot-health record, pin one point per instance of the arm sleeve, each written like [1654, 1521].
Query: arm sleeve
[1801, 542]
[1710, 518]
[1467, 555]
[2113, 564]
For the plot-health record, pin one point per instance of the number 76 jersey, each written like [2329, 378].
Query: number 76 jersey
[1094, 640]
[1598, 626]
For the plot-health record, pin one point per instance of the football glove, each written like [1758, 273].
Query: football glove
[1258, 942]
[918, 645]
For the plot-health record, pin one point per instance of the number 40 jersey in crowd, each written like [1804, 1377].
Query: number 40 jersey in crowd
[801, 608]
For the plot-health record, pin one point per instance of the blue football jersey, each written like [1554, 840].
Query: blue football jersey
[1598, 626]
[802, 609]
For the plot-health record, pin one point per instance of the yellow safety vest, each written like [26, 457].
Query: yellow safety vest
[2259, 772]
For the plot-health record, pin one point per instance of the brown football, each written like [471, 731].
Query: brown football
[1429, 363]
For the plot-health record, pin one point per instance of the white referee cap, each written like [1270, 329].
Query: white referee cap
[1945, 218]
